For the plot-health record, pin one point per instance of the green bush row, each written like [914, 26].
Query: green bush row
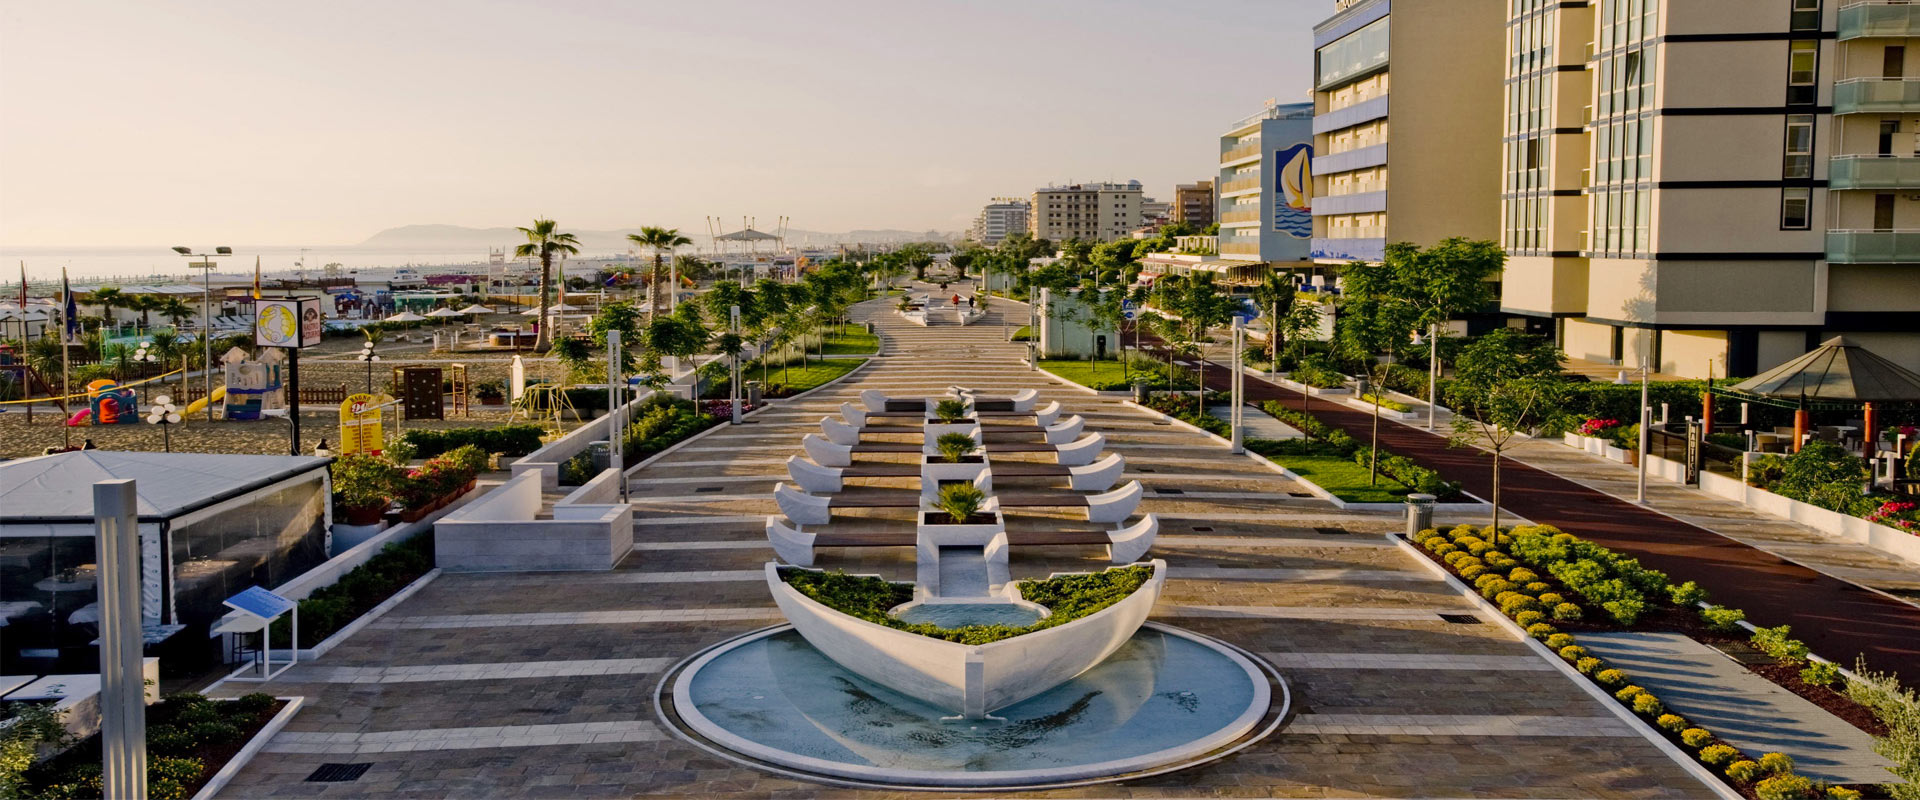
[512, 440]
[331, 608]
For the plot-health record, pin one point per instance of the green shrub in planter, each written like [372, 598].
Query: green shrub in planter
[1696, 738]
[1566, 612]
[1671, 723]
[1516, 602]
[1440, 547]
[1820, 673]
[1551, 599]
[1648, 705]
[1472, 571]
[1776, 763]
[1611, 677]
[1523, 576]
[168, 740]
[1744, 771]
[1500, 561]
[1573, 652]
[1477, 547]
[1778, 643]
[1718, 755]
[1784, 787]
[215, 732]
[1559, 640]
[1627, 693]
[1537, 588]
[253, 703]
[179, 770]
[1722, 619]
[1526, 619]
[1587, 665]
[1687, 595]
[1496, 587]
[1541, 630]
[1842, 793]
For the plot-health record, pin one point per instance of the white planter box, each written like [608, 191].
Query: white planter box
[1317, 391]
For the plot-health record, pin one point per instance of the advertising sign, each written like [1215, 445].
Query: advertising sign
[1293, 191]
[292, 322]
[360, 424]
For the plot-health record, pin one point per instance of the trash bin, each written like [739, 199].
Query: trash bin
[1141, 393]
[752, 397]
[1419, 513]
[601, 453]
[870, 327]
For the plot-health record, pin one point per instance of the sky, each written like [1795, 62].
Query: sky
[143, 123]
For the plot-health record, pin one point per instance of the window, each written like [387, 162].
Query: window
[1803, 68]
[1805, 15]
[1799, 148]
[1796, 204]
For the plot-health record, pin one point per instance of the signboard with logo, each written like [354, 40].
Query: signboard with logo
[1293, 191]
[360, 424]
[293, 322]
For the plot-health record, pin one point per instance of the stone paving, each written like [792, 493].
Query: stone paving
[540, 685]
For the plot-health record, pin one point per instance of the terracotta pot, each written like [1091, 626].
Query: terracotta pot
[369, 515]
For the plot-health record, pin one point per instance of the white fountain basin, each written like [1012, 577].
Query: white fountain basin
[968, 680]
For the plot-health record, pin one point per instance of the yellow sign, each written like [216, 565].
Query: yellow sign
[360, 424]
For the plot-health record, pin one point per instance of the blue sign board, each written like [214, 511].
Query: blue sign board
[1126, 308]
[260, 603]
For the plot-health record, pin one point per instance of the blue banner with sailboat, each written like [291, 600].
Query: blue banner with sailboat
[1293, 191]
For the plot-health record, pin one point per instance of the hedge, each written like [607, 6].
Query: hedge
[512, 440]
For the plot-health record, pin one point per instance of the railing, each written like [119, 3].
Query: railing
[1240, 248]
[1876, 95]
[1240, 185]
[1879, 18]
[309, 395]
[1243, 151]
[1241, 216]
[1874, 172]
[1873, 247]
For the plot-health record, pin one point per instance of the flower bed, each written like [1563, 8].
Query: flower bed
[1067, 598]
[1534, 574]
[1387, 403]
[436, 483]
[659, 423]
[1825, 475]
[189, 738]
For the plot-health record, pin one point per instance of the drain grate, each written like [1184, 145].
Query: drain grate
[1461, 619]
[708, 489]
[339, 773]
[1146, 470]
[1203, 528]
[1330, 531]
[1169, 491]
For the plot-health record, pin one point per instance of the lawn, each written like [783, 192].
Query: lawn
[1023, 333]
[851, 340]
[797, 378]
[1107, 376]
[1341, 476]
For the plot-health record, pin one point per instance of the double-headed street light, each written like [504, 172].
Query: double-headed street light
[368, 357]
[206, 267]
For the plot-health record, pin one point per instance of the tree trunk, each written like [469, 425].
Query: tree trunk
[1496, 497]
[543, 341]
[654, 287]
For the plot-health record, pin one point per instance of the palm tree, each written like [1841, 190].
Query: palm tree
[544, 239]
[146, 304]
[661, 241]
[1275, 296]
[106, 298]
[176, 312]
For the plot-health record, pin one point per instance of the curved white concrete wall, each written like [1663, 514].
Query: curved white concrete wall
[936, 671]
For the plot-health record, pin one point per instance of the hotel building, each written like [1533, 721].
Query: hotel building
[1441, 59]
[1266, 185]
[1003, 216]
[1713, 184]
[1092, 212]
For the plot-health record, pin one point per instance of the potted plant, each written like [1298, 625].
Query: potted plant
[956, 448]
[491, 393]
[363, 487]
[950, 411]
[959, 504]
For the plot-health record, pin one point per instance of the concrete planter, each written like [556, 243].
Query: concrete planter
[934, 469]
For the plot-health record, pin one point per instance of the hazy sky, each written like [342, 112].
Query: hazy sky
[289, 123]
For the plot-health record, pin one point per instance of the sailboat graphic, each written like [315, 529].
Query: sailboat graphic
[1293, 209]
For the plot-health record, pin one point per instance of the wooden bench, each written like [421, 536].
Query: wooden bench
[1000, 470]
[1036, 539]
[992, 447]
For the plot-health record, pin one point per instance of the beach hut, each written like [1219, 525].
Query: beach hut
[210, 526]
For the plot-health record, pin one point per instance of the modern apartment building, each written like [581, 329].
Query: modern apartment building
[1266, 185]
[1714, 184]
[1442, 60]
[1003, 216]
[1193, 204]
[1094, 212]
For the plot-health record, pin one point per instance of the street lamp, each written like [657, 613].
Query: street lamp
[1646, 418]
[164, 414]
[368, 357]
[142, 355]
[206, 267]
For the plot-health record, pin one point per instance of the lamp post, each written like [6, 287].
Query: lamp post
[1646, 420]
[1433, 373]
[733, 369]
[1238, 384]
[164, 414]
[206, 267]
[368, 357]
[144, 356]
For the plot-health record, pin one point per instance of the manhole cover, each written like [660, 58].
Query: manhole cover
[339, 773]
[1461, 619]
[708, 489]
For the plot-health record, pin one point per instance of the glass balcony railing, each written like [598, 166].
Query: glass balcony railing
[1240, 185]
[1879, 18]
[1873, 247]
[1874, 172]
[1876, 96]
[1243, 151]
[1241, 216]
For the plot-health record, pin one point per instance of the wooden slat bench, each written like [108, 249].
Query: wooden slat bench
[1000, 470]
[992, 447]
[1036, 539]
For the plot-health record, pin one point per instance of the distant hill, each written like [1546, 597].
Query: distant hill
[456, 237]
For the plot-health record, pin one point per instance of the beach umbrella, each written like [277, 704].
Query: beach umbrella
[444, 312]
[406, 316]
[476, 308]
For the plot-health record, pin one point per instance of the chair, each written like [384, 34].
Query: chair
[1117, 505]
[791, 545]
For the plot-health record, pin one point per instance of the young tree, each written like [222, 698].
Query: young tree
[1505, 382]
[544, 240]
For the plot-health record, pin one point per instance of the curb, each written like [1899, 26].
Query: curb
[253, 747]
[1686, 762]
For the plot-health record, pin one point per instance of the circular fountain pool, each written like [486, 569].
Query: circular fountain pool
[1166, 699]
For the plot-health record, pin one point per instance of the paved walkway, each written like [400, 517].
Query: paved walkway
[544, 681]
[1715, 692]
[1837, 618]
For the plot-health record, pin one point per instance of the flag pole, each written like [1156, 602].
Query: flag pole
[66, 323]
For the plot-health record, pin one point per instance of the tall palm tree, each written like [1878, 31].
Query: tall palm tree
[661, 241]
[544, 240]
[1275, 296]
[106, 298]
[176, 312]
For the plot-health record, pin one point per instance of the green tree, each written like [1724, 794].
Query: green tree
[1275, 297]
[662, 241]
[176, 312]
[106, 298]
[146, 304]
[670, 336]
[1505, 382]
[544, 241]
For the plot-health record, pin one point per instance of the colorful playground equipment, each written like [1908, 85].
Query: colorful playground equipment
[108, 403]
[195, 407]
[255, 386]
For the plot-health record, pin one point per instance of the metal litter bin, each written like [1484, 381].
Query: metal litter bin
[1419, 513]
[601, 453]
[752, 397]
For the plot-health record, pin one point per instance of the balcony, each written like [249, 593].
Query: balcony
[1876, 96]
[1240, 216]
[1874, 172]
[1350, 116]
[1239, 186]
[1873, 247]
[1357, 203]
[1324, 249]
[1240, 249]
[1350, 160]
[1879, 18]
[1240, 153]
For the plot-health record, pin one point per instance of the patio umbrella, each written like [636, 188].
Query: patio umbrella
[406, 316]
[443, 313]
[1838, 371]
[535, 311]
[476, 308]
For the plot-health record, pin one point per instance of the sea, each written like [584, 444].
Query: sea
[142, 264]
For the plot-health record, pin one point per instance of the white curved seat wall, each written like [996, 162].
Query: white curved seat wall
[802, 508]
[1024, 400]
[793, 546]
[1117, 505]
[813, 477]
[1097, 477]
[1046, 415]
[839, 432]
[825, 453]
[1075, 454]
[874, 399]
[1066, 430]
[854, 415]
[1127, 545]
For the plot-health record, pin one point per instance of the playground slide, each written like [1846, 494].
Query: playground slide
[219, 394]
[79, 418]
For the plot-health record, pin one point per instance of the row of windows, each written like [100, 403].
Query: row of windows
[1530, 103]
[1525, 223]
[1621, 220]
[1625, 82]
[1623, 150]
[1624, 22]
[1353, 54]
[1530, 44]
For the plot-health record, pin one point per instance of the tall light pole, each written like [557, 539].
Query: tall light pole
[368, 357]
[1239, 383]
[733, 369]
[206, 267]
[1646, 419]
[616, 416]
[1433, 372]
